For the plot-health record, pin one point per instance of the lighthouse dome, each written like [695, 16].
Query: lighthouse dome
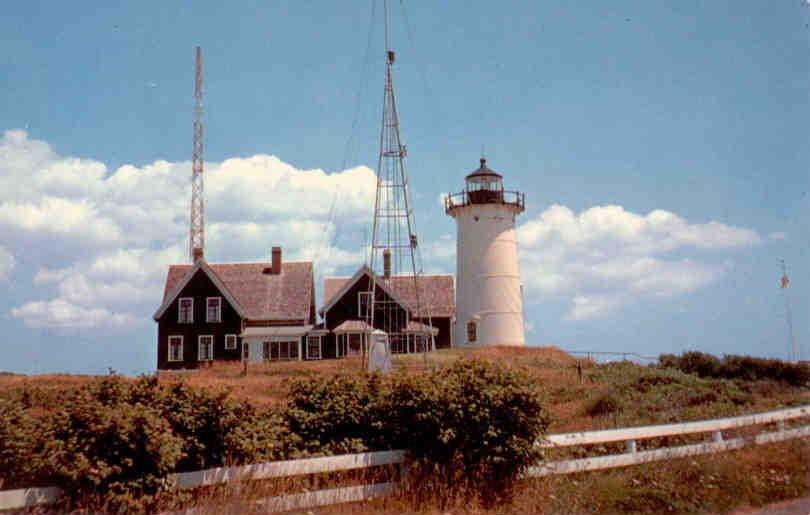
[484, 171]
[484, 178]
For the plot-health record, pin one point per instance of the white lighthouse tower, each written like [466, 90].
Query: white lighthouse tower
[489, 303]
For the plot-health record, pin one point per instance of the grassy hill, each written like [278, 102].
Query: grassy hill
[602, 396]
[609, 395]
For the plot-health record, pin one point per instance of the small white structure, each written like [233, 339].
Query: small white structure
[274, 343]
[379, 353]
[489, 303]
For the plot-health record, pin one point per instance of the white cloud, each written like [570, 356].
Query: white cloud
[603, 227]
[605, 257]
[101, 239]
[61, 314]
[7, 264]
[60, 217]
[595, 305]
[104, 238]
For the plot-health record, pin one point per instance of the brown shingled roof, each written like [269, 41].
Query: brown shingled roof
[435, 291]
[284, 296]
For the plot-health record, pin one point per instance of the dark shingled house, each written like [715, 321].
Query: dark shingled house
[343, 329]
[224, 311]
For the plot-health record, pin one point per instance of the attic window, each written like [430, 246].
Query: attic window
[214, 309]
[185, 311]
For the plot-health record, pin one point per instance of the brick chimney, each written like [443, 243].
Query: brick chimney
[275, 266]
[387, 264]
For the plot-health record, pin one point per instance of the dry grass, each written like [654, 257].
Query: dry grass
[267, 384]
[703, 485]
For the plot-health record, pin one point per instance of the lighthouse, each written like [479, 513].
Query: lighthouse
[489, 303]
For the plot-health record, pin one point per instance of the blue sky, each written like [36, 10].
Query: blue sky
[663, 150]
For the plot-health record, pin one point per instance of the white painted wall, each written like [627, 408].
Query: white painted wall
[488, 275]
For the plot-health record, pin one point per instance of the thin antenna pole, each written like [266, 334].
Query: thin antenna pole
[788, 315]
[385, 17]
[197, 227]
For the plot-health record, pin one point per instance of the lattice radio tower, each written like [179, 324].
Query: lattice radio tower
[394, 255]
[196, 241]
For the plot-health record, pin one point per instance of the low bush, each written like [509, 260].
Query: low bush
[111, 443]
[110, 456]
[19, 439]
[641, 395]
[469, 429]
[333, 415]
[745, 368]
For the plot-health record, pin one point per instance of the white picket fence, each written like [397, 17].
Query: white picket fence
[15, 499]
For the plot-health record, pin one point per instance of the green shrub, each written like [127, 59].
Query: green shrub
[335, 415]
[605, 404]
[111, 444]
[113, 456]
[469, 429]
[20, 439]
[642, 395]
[218, 431]
[744, 368]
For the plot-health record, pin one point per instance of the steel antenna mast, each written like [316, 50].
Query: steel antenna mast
[788, 315]
[394, 256]
[196, 242]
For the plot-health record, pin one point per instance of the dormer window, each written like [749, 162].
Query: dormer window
[213, 312]
[185, 310]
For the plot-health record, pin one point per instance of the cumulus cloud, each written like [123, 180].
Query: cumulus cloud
[60, 217]
[7, 264]
[102, 238]
[606, 257]
[99, 240]
[61, 314]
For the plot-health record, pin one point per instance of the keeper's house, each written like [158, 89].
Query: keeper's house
[224, 311]
[344, 331]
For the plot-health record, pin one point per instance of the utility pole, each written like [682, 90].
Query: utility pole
[783, 285]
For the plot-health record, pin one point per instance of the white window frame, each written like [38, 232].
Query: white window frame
[210, 348]
[272, 349]
[180, 311]
[175, 337]
[219, 309]
[360, 295]
[320, 343]
[232, 337]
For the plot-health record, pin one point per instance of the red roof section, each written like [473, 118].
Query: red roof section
[436, 292]
[284, 296]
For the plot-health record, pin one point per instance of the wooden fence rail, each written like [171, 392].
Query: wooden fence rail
[22, 498]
